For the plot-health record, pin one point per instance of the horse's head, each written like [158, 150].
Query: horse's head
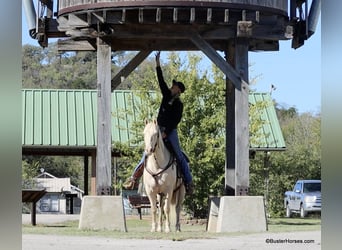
[151, 136]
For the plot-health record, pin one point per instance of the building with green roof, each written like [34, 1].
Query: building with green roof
[64, 122]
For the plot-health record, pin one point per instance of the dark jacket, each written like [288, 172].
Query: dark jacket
[171, 108]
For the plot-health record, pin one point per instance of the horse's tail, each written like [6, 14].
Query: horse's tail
[176, 202]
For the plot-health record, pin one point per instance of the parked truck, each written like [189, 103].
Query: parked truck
[304, 198]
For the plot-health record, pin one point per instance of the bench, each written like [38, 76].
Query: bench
[32, 196]
[139, 202]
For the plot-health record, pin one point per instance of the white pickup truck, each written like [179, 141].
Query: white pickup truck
[304, 198]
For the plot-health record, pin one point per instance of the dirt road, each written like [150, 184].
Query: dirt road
[258, 241]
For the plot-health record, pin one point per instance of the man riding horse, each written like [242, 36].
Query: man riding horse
[170, 114]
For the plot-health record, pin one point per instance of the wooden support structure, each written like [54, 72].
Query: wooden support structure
[237, 137]
[234, 27]
[237, 127]
[104, 138]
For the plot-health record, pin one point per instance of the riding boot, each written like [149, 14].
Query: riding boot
[133, 181]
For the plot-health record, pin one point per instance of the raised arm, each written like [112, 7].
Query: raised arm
[162, 84]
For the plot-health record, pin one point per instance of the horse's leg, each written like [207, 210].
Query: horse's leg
[160, 215]
[153, 211]
[178, 207]
[167, 212]
[179, 202]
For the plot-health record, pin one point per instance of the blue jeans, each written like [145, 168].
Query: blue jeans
[173, 139]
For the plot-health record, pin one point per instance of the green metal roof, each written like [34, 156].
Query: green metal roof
[272, 138]
[68, 118]
[64, 117]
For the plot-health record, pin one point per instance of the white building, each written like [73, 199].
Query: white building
[61, 197]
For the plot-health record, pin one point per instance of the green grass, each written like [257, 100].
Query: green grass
[294, 224]
[140, 229]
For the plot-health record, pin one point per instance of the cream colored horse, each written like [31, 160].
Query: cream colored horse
[161, 183]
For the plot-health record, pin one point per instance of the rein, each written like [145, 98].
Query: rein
[171, 161]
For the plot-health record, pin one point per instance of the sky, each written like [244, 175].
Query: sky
[295, 73]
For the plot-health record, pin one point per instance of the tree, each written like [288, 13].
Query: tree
[47, 68]
[60, 167]
[202, 129]
[301, 160]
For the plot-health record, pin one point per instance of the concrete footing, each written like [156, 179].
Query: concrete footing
[237, 214]
[102, 213]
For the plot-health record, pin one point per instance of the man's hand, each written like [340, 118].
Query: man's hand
[158, 58]
[164, 135]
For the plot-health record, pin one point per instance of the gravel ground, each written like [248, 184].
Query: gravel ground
[266, 240]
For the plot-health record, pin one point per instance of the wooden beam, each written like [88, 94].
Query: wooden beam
[123, 73]
[237, 126]
[207, 49]
[242, 120]
[230, 125]
[71, 45]
[104, 138]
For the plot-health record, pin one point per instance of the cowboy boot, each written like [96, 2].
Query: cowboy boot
[133, 181]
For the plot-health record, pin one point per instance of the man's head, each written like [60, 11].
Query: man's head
[177, 87]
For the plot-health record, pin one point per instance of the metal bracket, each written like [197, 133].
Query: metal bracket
[241, 190]
[244, 29]
[104, 190]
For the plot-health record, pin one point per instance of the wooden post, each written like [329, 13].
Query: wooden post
[230, 125]
[237, 126]
[104, 139]
[86, 174]
[93, 174]
[33, 213]
[242, 119]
